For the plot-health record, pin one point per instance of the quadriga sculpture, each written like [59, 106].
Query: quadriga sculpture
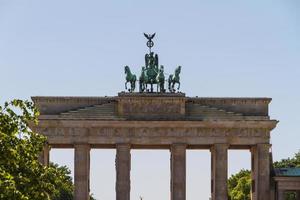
[152, 73]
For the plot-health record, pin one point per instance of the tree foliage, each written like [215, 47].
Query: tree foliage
[66, 186]
[22, 177]
[289, 162]
[239, 185]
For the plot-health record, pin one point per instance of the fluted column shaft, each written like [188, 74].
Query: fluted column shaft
[260, 164]
[82, 171]
[280, 195]
[123, 166]
[219, 160]
[178, 172]
[297, 195]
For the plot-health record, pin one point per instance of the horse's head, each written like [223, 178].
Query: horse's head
[126, 69]
[178, 70]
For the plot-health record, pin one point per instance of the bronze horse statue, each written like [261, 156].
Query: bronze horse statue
[130, 78]
[173, 79]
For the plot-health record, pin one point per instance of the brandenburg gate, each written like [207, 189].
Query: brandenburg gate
[151, 119]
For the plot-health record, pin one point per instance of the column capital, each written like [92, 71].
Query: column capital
[123, 146]
[177, 147]
[260, 145]
[178, 144]
[81, 145]
[219, 145]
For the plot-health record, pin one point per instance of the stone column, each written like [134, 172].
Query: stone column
[280, 195]
[123, 166]
[44, 156]
[260, 172]
[178, 172]
[297, 195]
[219, 160]
[82, 172]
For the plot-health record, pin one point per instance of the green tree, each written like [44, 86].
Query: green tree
[239, 185]
[22, 177]
[289, 162]
[65, 187]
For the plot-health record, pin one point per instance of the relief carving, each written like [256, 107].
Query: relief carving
[144, 132]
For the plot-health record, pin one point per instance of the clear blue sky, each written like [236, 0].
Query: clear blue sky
[227, 48]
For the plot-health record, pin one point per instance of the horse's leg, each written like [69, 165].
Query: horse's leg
[126, 85]
[131, 86]
[140, 89]
[134, 84]
[178, 85]
[142, 86]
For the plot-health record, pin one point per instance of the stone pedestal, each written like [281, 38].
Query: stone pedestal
[260, 172]
[178, 172]
[151, 106]
[44, 157]
[82, 171]
[219, 160]
[123, 162]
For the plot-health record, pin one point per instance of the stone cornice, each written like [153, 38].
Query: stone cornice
[266, 124]
[69, 99]
[137, 94]
[239, 100]
[153, 103]
[287, 178]
[234, 100]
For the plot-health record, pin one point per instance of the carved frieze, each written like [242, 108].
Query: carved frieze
[153, 132]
